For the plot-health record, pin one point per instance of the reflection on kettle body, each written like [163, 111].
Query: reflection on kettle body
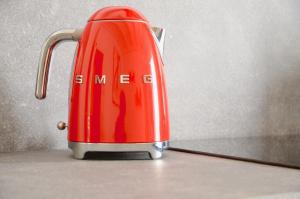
[120, 122]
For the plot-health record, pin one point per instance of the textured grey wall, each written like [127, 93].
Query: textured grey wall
[233, 67]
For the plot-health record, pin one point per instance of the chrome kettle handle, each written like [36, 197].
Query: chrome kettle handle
[45, 58]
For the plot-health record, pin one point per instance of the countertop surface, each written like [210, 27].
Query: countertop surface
[55, 174]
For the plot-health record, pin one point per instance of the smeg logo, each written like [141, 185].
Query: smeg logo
[123, 79]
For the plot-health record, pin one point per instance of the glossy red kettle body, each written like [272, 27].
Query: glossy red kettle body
[118, 98]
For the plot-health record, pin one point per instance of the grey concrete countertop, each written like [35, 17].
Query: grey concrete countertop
[55, 174]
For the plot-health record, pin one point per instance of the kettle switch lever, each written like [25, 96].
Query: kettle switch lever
[61, 125]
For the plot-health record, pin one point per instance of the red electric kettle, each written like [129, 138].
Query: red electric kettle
[117, 99]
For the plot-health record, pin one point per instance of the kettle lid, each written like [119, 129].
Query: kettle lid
[117, 13]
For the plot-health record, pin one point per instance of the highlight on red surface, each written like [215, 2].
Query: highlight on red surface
[117, 13]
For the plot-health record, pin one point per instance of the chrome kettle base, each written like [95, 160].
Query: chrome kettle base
[155, 149]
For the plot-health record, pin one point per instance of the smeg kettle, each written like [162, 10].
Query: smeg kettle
[117, 99]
